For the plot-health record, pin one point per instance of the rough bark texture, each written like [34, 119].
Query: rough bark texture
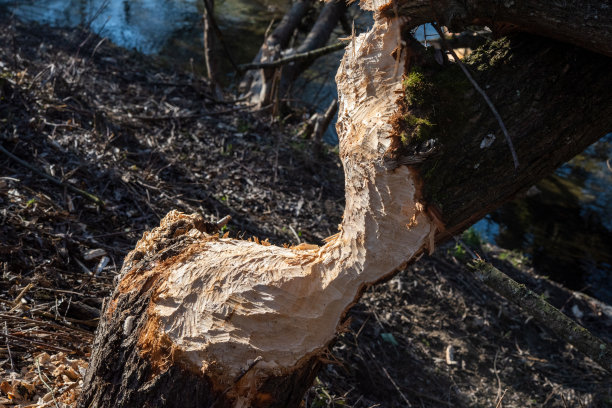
[258, 84]
[201, 320]
[535, 305]
[318, 36]
[268, 82]
[550, 96]
[587, 24]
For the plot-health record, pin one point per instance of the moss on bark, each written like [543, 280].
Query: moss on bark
[550, 98]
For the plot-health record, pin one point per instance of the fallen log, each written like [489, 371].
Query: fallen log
[200, 320]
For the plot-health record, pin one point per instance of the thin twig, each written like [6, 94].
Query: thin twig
[223, 221]
[408, 404]
[40, 375]
[8, 348]
[297, 57]
[37, 344]
[49, 324]
[467, 248]
[52, 179]
[499, 390]
[249, 367]
[219, 34]
[499, 403]
[21, 294]
[482, 92]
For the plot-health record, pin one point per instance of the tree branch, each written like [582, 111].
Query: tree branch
[593, 347]
[297, 57]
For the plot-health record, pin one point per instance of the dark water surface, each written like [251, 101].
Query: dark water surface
[563, 225]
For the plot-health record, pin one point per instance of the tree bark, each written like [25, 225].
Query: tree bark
[258, 84]
[318, 36]
[199, 320]
[587, 24]
[550, 97]
[565, 328]
[212, 69]
[266, 84]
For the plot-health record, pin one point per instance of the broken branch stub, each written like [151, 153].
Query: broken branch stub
[216, 321]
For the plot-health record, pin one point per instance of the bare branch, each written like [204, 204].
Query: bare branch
[593, 347]
[297, 57]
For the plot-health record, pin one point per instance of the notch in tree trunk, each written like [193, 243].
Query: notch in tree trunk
[202, 320]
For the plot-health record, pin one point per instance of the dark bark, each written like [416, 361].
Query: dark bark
[258, 83]
[132, 366]
[265, 85]
[317, 37]
[551, 97]
[587, 24]
[565, 328]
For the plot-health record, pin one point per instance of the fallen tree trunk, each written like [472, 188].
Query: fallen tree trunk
[587, 24]
[201, 320]
[530, 302]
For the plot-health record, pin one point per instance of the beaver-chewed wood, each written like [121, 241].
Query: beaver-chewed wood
[201, 320]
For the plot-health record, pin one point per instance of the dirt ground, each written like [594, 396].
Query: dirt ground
[113, 126]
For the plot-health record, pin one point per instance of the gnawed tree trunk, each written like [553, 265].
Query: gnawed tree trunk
[199, 320]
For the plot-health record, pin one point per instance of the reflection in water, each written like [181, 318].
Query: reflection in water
[144, 25]
[564, 225]
[149, 26]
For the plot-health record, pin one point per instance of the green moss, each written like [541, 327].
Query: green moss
[435, 102]
[495, 53]
[432, 97]
[417, 87]
[416, 130]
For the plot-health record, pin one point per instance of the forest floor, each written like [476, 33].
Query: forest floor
[145, 139]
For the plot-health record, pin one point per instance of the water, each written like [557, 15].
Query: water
[563, 225]
[150, 26]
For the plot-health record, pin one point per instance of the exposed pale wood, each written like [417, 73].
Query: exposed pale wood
[202, 320]
[220, 304]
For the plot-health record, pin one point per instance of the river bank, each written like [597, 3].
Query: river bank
[144, 139]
